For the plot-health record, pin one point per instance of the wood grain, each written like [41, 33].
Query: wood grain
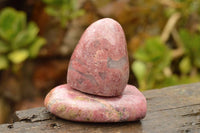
[173, 109]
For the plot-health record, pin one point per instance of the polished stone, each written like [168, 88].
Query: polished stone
[99, 64]
[71, 104]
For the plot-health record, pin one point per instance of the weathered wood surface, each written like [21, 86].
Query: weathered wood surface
[170, 110]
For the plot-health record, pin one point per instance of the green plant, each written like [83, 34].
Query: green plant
[18, 39]
[152, 59]
[179, 41]
[191, 42]
[63, 10]
[153, 62]
[190, 62]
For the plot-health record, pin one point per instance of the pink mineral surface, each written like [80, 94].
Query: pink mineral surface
[99, 64]
[71, 104]
[98, 72]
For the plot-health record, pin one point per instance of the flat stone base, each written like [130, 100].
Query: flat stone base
[70, 104]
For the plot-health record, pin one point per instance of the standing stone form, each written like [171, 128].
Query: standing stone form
[99, 64]
[98, 72]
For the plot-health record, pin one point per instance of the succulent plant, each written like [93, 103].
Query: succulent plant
[19, 40]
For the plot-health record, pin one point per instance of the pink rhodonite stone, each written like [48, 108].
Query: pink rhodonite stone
[71, 104]
[99, 64]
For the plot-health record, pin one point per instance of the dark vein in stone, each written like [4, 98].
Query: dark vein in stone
[116, 63]
[90, 77]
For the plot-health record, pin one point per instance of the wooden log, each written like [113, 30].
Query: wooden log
[170, 110]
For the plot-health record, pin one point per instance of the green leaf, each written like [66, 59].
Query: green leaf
[20, 22]
[154, 56]
[139, 69]
[191, 46]
[185, 65]
[7, 16]
[17, 38]
[77, 14]
[155, 52]
[51, 11]
[11, 22]
[152, 50]
[3, 47]
[140, 54]
[3, 62]
[25, 37]
[35, 47]
[18, 56]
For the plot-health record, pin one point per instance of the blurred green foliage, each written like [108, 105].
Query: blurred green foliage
[18, 39]
[186, 7]
[151, 59]
[63, 10]
[191, 43]
[155, 66]
[153, 63]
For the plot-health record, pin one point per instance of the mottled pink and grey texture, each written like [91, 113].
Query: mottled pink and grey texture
[71, 104]
[99, 64]
[98, 73]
